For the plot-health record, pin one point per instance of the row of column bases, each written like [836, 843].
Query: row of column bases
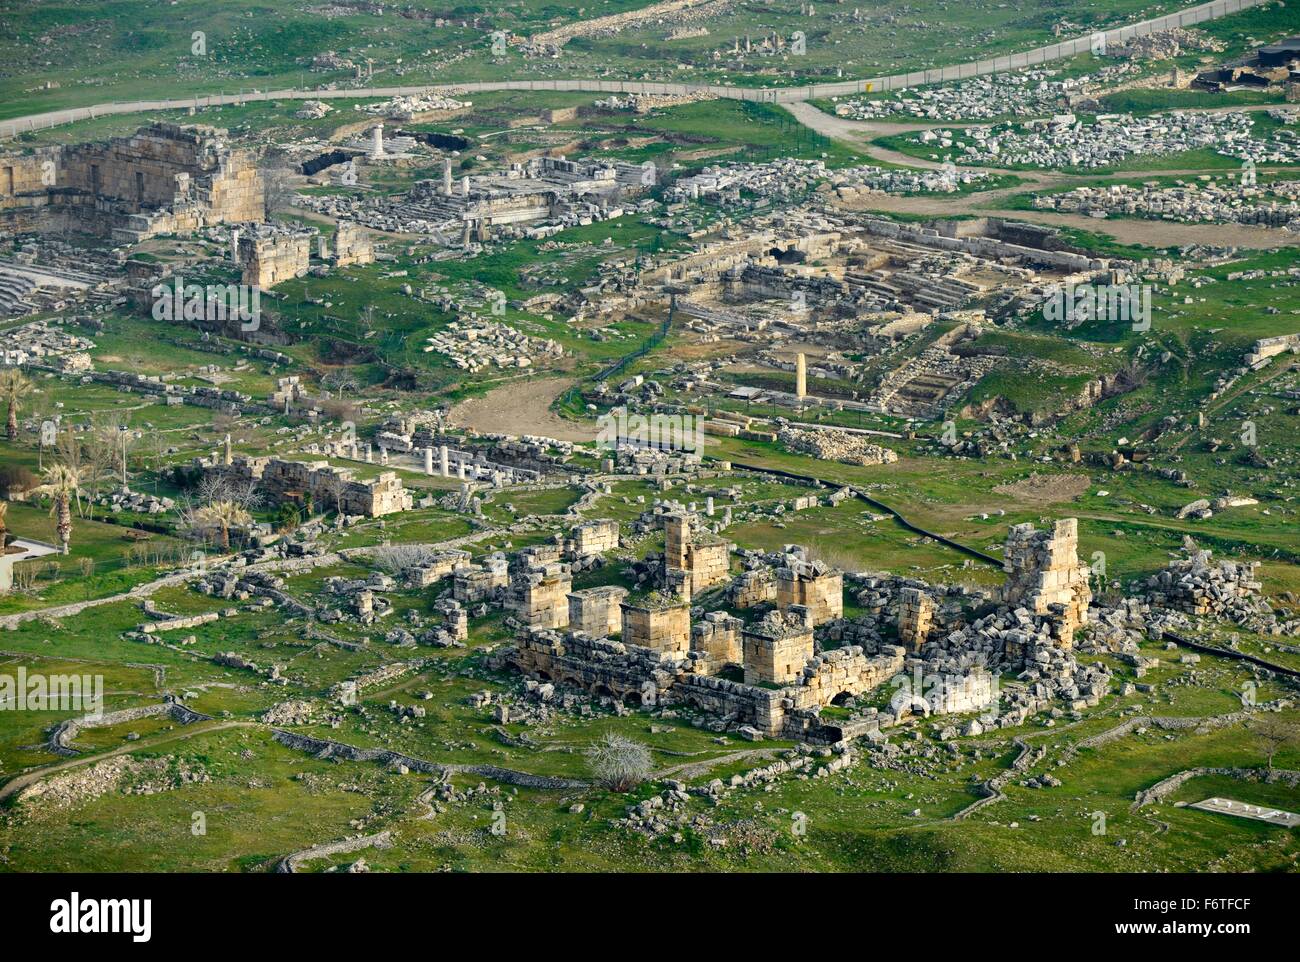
[444, 455]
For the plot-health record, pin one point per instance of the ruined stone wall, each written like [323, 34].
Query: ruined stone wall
[718, 636]
[164, 178]
[789, 712]
[596, 665]
[443, 563]
[915, 618]
[352, 245]
[597, 611]
[593, 537]
[1045, 576]
[708, 563]
[815, 587]
[328, 486]
[752, 588]
[776, 649]
[844, 671]
[967, 692]
[275, 258]
[474, 583]
[664, 628]
[677, 541]
[540, 596]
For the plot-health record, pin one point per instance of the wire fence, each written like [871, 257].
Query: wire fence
[573, 396]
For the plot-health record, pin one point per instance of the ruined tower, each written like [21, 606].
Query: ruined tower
[1045, 576]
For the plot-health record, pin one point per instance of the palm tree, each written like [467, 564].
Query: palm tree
[13, 389]
[63, 483]
[223, 515]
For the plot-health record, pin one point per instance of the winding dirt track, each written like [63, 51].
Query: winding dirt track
[19, 782]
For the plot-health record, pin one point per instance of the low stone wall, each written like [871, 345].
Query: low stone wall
[289, 864]
[1167, 786]
[63, 734]
[324, 748]
[172, 624]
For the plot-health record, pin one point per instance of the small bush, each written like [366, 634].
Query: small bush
[619, 764]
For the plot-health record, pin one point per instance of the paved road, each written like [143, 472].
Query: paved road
[1067, 48]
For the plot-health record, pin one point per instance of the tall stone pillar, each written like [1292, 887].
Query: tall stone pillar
[446, 458]
[801, 376]
[428, 460]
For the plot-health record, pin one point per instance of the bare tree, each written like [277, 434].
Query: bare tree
[1273, 734]
[619, 764]
[397, 559]
[341, 381]
[103, 450]
[221, 487]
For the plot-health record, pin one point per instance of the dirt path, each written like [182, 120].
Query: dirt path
[19, 782]
[689, 770]
[522, 408]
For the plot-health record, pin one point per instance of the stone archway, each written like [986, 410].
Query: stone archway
[907, 705]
